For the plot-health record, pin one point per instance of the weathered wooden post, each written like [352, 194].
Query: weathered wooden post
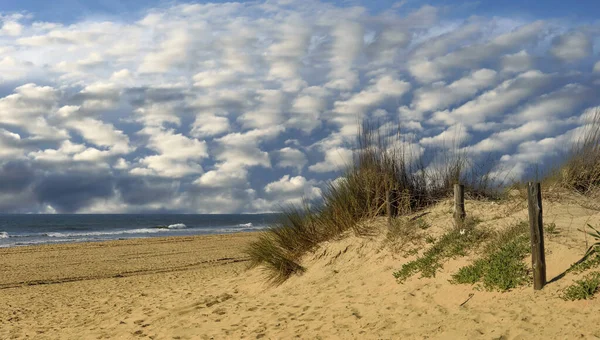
[392, 204]
[538, 258]
[459, 204]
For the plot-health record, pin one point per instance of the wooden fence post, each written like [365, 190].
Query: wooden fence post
[459, 204]
[392, 204]
[538, 258]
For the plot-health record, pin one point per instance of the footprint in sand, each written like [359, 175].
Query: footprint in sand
[211, 303]
[220, 311]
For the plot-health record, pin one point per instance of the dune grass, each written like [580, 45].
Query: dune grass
[381, 164]
[405, 235]
[581, 170]
[359, 195]
[581, 173]
[280, 247]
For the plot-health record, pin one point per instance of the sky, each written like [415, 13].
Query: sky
[224, 107]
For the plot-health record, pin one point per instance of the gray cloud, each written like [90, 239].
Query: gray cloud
[70, 192]
[571, 46]
[15, 176]
[144, 190]
[231, 107]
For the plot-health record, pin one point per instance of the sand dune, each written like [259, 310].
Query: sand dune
[198, 288]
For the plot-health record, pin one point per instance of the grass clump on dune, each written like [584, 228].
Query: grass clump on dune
[581, 171]
[280, 247]
[381, 165]
[280, 262]
[405, 235]
[359, 195]
[502, 268]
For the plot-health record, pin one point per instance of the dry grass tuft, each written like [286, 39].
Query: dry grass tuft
[581, 171]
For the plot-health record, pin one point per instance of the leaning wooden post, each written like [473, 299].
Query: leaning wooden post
[538, 258]
[459, 204]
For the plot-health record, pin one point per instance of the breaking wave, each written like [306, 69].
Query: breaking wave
[114, 232]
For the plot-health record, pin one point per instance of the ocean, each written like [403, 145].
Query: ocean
[24, 230]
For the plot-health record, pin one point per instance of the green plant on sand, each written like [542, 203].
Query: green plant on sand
[456, 242]
[596, 235]
[551, 229]
[502, 267]
[591, 258]
[582, 289]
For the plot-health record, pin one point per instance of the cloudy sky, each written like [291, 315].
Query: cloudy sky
[151, 106]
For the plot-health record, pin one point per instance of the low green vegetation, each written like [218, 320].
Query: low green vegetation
[550, 229]
[456, 242]
[503, 266]
[590, 261]
[596, 235]
[583, 289]
[586, 287]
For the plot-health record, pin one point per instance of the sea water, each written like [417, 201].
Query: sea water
[23, 230]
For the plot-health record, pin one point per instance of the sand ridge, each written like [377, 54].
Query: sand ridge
[161, 289]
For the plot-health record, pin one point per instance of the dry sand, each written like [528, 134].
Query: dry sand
[198, 287]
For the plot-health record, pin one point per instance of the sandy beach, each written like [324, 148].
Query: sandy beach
[199, 288]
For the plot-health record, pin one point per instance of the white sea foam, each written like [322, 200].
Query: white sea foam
[3, 234]
[246, 227]
[36, 242]
[109, 233]
[177, 226]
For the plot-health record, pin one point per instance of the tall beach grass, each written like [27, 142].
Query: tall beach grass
[580, 172]
[383, 168]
